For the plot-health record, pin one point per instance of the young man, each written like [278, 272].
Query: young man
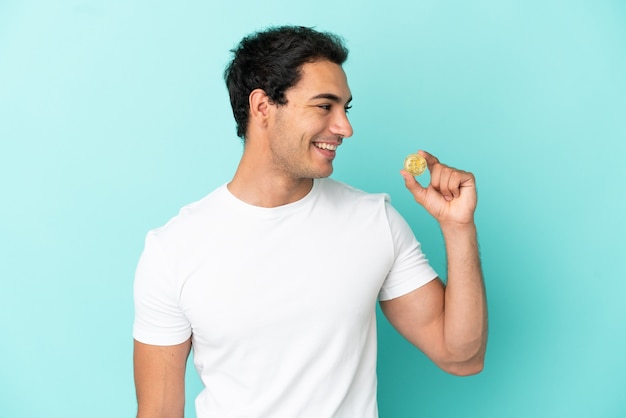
[274, 277]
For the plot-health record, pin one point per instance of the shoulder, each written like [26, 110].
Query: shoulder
[191, 218]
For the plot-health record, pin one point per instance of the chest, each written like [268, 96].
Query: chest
[272, 280]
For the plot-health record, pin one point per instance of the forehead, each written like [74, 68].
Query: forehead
[322, 77]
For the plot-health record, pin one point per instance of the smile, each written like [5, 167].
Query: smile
[323, 145]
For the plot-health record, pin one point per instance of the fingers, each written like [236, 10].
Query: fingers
[448, 181]
[431, 160]
[413, 186]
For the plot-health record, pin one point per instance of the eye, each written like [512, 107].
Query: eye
[324, 106]
[347, 109]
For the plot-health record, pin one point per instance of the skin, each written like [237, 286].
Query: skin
[282, 155]
[160, 379]
[448, 323]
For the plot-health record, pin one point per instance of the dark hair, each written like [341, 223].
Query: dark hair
[272, 60]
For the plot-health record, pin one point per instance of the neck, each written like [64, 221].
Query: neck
[260, 186]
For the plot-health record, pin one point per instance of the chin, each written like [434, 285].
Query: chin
[324, 174]
[318, 172]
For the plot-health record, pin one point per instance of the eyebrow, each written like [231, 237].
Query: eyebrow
[331, 97]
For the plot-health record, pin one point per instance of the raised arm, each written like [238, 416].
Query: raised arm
[448, 323]
[160, 379]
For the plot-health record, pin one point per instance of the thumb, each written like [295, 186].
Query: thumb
[416, 189]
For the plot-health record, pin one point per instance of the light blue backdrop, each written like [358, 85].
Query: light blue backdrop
[113, 115]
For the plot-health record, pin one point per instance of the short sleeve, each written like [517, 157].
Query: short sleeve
[159, 319]
[411, 268]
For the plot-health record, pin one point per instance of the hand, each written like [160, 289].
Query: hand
[451, 195]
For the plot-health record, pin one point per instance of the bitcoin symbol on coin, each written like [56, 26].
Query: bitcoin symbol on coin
[415, 164]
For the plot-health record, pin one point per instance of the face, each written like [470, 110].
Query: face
[306, 132]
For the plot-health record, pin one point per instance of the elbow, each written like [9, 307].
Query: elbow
[466, 365]
[468, 368]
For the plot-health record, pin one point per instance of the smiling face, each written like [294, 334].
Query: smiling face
[305, 132]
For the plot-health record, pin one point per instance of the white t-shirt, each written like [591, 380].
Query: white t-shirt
[280, 302]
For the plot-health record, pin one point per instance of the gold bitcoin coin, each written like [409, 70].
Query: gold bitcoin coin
[415, 164]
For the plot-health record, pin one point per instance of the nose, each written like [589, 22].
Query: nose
[341, 125]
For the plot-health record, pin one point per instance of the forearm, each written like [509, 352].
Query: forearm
[465, 312]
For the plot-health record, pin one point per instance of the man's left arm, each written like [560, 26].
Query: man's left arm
[448, 323]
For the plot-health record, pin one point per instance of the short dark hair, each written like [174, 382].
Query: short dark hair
[272, 60]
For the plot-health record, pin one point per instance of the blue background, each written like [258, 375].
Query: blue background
[113, 115]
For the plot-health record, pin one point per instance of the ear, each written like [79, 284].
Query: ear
[259, 103]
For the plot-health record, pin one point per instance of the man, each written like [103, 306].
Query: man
[273, 278]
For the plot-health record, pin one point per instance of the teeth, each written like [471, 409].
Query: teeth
[324, 145]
